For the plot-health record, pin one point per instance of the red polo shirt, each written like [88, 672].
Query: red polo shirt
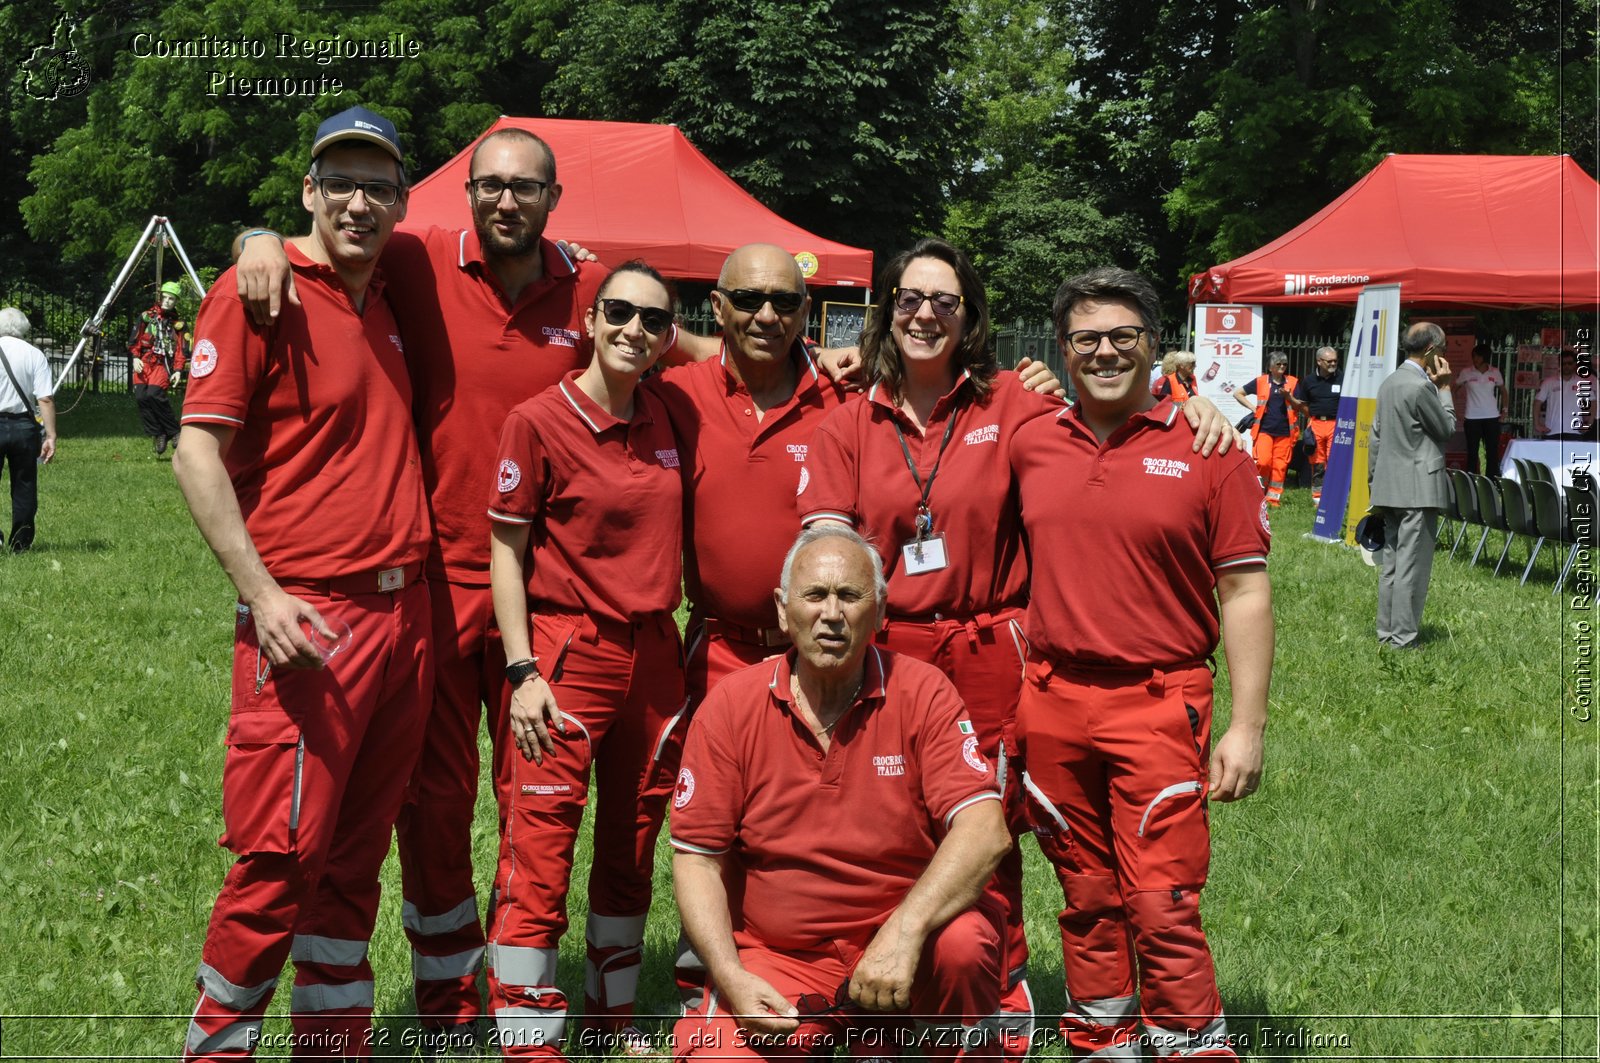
[859, 474]
[1127, 537]
[821, 845]
[741, 478]
[324, 459]
[604, 497]
[473, 357]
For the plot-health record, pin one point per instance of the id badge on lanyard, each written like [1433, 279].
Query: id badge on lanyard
[925, 552]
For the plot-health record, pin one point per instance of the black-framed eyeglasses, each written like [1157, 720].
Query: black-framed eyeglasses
[490, 189]
[1087, 340]
[910, 300]
[619, 312]
[751, 300]
[817, 1005]
[339, 189]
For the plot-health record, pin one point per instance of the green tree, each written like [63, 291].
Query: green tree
[1026, 204]
[832, 112]
[219, 143]
[1316, 94]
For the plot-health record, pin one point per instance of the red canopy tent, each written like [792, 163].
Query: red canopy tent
[634, 190]
[1513, 231]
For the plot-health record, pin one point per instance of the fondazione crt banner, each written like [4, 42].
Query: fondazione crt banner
[1374, 346]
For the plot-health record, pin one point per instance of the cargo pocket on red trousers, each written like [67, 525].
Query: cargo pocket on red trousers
[261, 780]
[1173, 838]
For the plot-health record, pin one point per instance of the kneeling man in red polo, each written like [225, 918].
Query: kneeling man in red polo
[833, 828]
[1134, 544]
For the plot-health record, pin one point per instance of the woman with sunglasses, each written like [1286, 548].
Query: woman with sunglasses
[587, 517]
[918, 464]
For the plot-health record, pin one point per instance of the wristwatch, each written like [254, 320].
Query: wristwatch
[519, 672]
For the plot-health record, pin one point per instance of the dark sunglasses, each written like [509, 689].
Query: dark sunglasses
[751, 300]
[619, 312]
[815, 1005]
[910, 300]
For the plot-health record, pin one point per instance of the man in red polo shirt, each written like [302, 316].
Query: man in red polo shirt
[744, 421]
[491, 316]
[290, 433]
[1134, 545]
[833, 828]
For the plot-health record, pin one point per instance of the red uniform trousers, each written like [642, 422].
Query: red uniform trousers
[1272, 463]
[715, 651]
[984, 657]
[434, 832]
[1117, 766]
[953, 1000]
[1323, 428]
[316, 766]
[619, 688]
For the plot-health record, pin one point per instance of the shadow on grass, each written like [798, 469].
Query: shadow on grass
[44, 547]
[103, 415]
[1259, 1034]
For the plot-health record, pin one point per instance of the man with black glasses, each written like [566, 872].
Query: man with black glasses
[490, 316]
[1141, 557]
[833, 826]
[298, 459]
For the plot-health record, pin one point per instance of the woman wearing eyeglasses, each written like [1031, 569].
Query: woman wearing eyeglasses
[918, 464]
[586, 572]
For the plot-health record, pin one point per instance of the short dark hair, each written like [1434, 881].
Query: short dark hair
[881, 354]
[513, 133]
[639, 266]
[1105, 283]
[1481, 350]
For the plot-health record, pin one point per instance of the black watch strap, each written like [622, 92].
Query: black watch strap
[518, 672]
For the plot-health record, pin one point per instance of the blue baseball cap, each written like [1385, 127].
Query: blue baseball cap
[358, 123]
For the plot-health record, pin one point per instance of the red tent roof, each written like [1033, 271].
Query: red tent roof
[1476, 230]
[634, 190]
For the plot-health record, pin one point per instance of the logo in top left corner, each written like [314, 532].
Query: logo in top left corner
[204, 360]
[510, 475]
[56, 71]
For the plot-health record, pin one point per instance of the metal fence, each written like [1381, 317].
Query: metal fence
[57, 321]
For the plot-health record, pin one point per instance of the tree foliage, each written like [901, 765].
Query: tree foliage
[1041, 135]
[1316, 94]
[831, 112]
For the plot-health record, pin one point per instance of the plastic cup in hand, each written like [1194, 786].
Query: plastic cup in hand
[328, 648]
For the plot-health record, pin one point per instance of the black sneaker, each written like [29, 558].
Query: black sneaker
[161, 445]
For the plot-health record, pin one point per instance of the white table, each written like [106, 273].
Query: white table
[1563, 456]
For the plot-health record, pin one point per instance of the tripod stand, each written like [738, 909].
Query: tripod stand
[158, 234]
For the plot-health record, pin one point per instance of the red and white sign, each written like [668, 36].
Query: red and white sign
[1227, 349]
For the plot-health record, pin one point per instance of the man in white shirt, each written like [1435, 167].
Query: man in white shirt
[1483, 390]
[1564, 406]
[24, 388]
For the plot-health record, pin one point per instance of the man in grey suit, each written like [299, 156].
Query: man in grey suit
[1405, 472]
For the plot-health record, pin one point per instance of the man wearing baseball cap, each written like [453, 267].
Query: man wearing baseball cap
[157, 346]
[290, 432]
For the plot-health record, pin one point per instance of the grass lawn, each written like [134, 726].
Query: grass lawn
[1417, 877]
